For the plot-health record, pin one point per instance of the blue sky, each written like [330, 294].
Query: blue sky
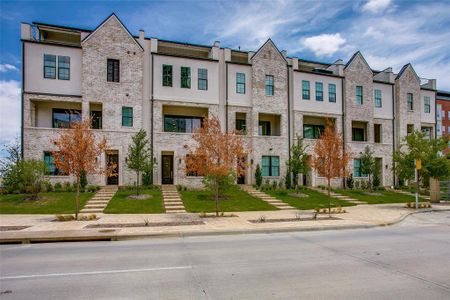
[389, 33]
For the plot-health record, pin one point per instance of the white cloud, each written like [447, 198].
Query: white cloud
[7, 67]
[376, 6]
[10, 111]
[324, 44]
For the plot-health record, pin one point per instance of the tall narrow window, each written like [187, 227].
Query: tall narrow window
[270, 166]
[50, 66]
[113, 70]
[305, 90]
[359, 94]
[410, 101]
[319, 91]
[377, 96]
[127, 116]
[409, 129]
[186, 77]
[203, 79]
[357, 170]
[240, 83]
[426, 102]
[64, 67]
[269, 85]
[96, 119]
[167, 75]
[377, 133]
[264, 128]
[331, 92]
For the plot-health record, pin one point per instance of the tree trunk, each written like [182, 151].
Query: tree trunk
[137, 183]
[370, 183]
[77, 199]
[329, 199]
[217, 199]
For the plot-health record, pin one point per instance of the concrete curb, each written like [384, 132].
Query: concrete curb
[118, 237]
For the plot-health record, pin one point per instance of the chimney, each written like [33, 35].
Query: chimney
[295, 63]
[227, 54]
[141, 34]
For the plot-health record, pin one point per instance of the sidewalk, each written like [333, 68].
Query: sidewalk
[42, 227]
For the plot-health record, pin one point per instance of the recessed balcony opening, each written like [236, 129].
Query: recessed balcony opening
[183, 119]
[313, 126]
[96, 113]
[359, 131]
[427, 131]
[269, 125]
[54, 114]
[241, 123]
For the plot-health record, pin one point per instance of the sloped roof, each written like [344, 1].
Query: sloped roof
[404, 69]
[269, 41]
[358, 53]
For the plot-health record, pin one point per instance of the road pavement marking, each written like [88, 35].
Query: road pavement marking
[94, 273]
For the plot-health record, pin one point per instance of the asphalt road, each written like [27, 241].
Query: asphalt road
[406, 261]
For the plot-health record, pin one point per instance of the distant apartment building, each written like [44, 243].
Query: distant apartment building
[126, 82]
[443, 115]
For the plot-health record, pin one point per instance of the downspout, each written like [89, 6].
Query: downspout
[435, 115]
[151, 118]
[226, 96]
[343, 125]
[393, 135]
[289, 116]
[22, 102]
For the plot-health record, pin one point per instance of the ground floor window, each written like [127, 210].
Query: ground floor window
[270, 166]
[357, 168]
[51, 168]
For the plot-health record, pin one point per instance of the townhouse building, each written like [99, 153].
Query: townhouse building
[126, 82]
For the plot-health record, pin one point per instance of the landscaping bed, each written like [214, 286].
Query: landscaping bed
[123, 202]
[233, 200]
[259, 221]
[384, 197]
[48, 203]
[145, 224]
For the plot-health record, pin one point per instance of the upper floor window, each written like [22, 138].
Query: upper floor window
[377, 133]
[96, 116]
[186, 77]
[331, 92]
[409, 129]
[305, 90]
[264, 128]
[185, 124]
[269, 85]
[50, 66]
[127, 116]
[270, 166]
[312, 131]
[167, 75]
[203, 79]
[319, 91]
[359, 94]
[241, 126]
[61, 118]
[64, 67]
[113, 70]
[426, 102]
[377, 97]
[240, 83]
[410, 101]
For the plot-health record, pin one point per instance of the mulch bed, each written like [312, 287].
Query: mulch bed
[8, 228]
[151, 224]
[140, 197]
[294, 220]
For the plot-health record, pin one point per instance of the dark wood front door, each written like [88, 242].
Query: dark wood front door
[113, 178]
[167, 169]
[241, 168]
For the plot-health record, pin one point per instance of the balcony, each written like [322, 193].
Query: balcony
[269, 125]
[182, 119]
[53, 114]
[313, 126]
[359, 131]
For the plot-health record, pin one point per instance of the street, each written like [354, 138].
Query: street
[410, 260]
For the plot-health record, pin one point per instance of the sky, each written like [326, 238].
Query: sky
[389, 33]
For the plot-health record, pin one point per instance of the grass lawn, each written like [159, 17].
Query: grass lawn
[236, 200]
[314, 200]
[51, 203]
[385, 197]
[120, 204]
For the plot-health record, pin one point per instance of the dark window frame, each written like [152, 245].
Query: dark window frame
[240, 83]
[177, 123]
[167, 75]
[185, 77]
[306, 92]
[359, 95]
[410, 101]
[267, 127]
[97, 119]
[378, 99]
[319, 92]
[332, 93]
[202, 80]
[377, 133]
[70, 112]
[112, 70]
[427, 106]
[271, 167]
[317, 131]
[60, 68]
[269, 85]
[49, 67]
[125, 118]
[355, 131]
[241, 126]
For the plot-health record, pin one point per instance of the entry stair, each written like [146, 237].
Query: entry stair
[265, 197]
[100, 200]
[338, 196]
[172, 200]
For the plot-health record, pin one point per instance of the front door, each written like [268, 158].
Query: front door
[167, 169]
[241, 168]
[113, 178]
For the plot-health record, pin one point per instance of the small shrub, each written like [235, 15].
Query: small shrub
[67, 187]
[262, 219]
[258, 175]
[357, 184]
[274, 185]
[203, 214]
[92, 188]
[280, 184]
[48, 186]
[179, 188]
[349, 181]
[376, 180]
[64, 218]
[58, 187]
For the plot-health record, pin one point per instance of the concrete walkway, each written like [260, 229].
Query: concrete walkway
[172, 200]
[100, 201]
[338, 196]
[265, 197]
[428, 198]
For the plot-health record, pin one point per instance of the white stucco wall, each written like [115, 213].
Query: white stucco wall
[34, 70]
[233, 97]
[427, 117]
[312, 105]
[175, 92]
[385, 111]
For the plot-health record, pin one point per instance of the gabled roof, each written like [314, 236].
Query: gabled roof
[113, 15]
[404, 69]
[358, 53]
[269, 41]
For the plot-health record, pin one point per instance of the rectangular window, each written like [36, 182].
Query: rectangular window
[359, 94]
[377, 133]
[241, 126]
[426, 101]
[357, 172]
[377, 97]
[61, 118]
[331, 92]
[312, 131]
[358, 134]
[113, 70]
[269, 85]
[64, 67]
[51, 168]
[203, 79]
[167, 75]
[409, 128]
[410, 101]
[264, 128]
[183, 124]
[270, 166]
[185, 77]
[127, 116]
[50, 66]
[319, 91]
[305, 90]
[240, 83]
[426, 132]
[96, 119]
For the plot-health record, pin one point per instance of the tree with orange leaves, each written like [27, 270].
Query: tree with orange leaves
[77, 153]
[329, 159]
[216, 156]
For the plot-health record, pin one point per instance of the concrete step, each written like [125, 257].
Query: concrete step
[91, 211]
[174, 204]
[89, 205]
[176, 212]
[98, 201]
[172, 207]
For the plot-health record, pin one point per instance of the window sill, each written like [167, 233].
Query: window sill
[113, 82]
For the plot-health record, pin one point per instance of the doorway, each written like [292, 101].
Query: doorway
[167, 169]
[241, 166]
[112, 159]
